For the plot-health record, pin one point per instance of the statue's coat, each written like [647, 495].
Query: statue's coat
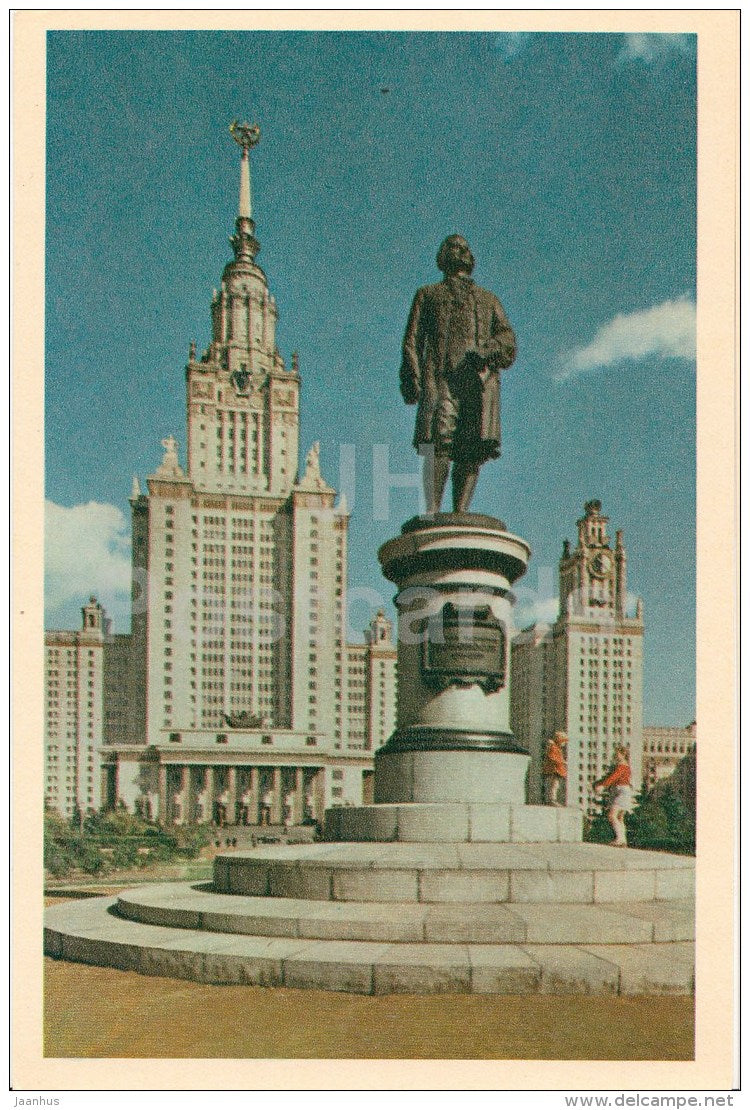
[425, 369]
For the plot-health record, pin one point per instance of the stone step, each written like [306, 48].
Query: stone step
[465, 873]
[92, 932]
[417, 822]
[197, 906]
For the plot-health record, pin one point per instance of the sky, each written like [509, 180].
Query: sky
[567, 160]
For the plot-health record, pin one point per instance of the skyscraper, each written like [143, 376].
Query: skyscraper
[74, 716]
[240, 675]
[584, 673]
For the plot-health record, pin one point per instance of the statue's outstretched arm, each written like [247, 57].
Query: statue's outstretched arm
[411, 373]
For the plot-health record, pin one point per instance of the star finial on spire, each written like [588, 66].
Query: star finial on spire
[247, 135]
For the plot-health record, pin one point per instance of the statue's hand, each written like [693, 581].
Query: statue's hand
[410, 392]
[474, 361]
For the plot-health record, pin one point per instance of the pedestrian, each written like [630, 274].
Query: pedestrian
[554, 768]
[222, 809]
[619, 783]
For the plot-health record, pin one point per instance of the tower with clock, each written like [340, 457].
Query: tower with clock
[584, 673]
[593, 577]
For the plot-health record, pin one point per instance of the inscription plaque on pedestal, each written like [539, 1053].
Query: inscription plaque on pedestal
[464, 646]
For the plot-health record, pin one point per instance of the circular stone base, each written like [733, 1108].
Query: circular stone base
[422, 918]
[415, 823]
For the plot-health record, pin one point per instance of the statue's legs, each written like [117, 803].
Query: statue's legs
[465, 477]
[435, 469]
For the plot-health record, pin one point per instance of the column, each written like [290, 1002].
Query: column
[298, 810]
[232, 792]
[189, 793]
[210, 794]
[319, 793]
[163, 814]
[107, 787]
[182, 773]
[277, 805]
[254, 796]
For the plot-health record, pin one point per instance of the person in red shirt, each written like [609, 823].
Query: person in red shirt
[619, 782]
[554, 769]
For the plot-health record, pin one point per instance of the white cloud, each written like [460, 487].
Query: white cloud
[541, 610]
[87, 551]
[651, 48]
[664, 331]
[545, 610]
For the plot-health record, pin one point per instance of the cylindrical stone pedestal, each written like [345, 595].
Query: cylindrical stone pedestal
[453, 741]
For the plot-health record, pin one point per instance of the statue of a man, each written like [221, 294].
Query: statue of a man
[457, 341]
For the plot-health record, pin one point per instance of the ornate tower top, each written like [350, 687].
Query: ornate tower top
[593, 577]
[592, 527]
[243, 405]
[380, 631]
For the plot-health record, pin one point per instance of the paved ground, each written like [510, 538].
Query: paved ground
[101, 1012]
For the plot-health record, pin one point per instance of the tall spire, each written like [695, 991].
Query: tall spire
[245, 206]
[245, 245]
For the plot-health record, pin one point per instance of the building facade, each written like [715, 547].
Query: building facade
[664, 748]
[241, 683]
[584, 673]
[74, 715]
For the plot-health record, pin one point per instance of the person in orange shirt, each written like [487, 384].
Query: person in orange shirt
[554, 768]
[619, 782]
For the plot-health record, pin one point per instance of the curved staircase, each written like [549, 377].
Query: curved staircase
[497, 918]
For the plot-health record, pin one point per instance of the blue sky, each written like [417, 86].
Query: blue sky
[567, 160]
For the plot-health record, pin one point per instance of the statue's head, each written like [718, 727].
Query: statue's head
[455, 256]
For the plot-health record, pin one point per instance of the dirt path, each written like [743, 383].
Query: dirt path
[101, 1012]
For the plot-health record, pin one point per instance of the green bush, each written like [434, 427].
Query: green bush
[663, 821]
[190, 839]
[57, 858]
[116, 823]
[112, 839]
[660, 821]
[125, 855]
[89, 858]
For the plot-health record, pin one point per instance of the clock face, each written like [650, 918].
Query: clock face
[600, 564]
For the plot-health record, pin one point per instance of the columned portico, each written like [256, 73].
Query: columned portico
[184, 786]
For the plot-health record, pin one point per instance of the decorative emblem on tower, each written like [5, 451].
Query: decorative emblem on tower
[247, 135]
[242, 382]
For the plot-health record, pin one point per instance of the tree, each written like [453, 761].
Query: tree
[660, 821]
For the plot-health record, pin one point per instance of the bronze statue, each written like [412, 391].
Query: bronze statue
[457, 340]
